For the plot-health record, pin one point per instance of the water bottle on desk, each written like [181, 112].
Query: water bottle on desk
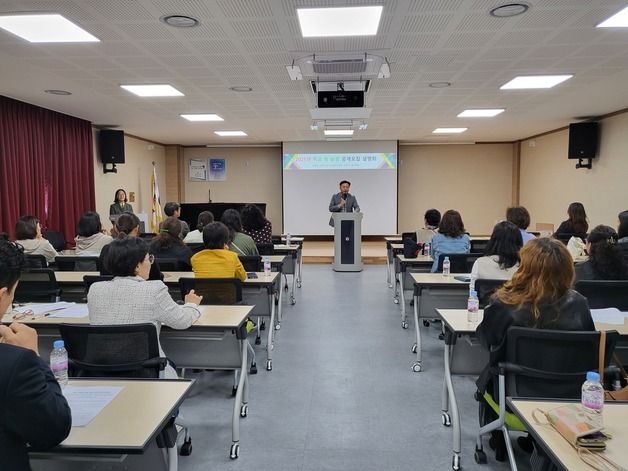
[59, 362]
[593, 398]
[266, 265]
[446, 267]
[427, 249]
[473, 306]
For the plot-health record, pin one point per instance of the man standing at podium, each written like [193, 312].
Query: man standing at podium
[343, 202]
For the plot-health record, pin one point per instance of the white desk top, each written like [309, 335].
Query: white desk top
[131, 420]
[294, 238]
[438, 278]
[169, 277]
[420, 259]
[615, 416]
[392, 238]
[284, 247]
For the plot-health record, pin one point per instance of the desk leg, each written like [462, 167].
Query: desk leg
[300, 260]
[416, 348]
[173, 459]
[240, 404]
[404, 318]
[293, 299]
[455, 464]
[271, 330]
[388, 267]
[279, 302]
[396, 280]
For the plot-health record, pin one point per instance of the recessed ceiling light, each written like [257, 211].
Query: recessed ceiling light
[440, 84]
[509, 9]
[618, 20]
[152, 90]
[230, 133]
[449, 130]
[343, 21]
[202, 117]
[481, 113]
[535, 81]
[338, 132]
[48, 28]
[241, 89]
[58, 92]
[180, 21]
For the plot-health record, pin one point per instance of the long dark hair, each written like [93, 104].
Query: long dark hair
[252, 218]
[169, 235]
[231, 219]
[606, 258]
[451, 224]
[26, 228]
[578, 218]
[115, 196]
[505, 242]
[89, 224]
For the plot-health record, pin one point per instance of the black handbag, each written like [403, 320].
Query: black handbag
[410, 248]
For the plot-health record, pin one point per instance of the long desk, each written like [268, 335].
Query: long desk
[463, 355]
[401, 264]
[390, 257]
[615, 416]
[125, 431]
[292, 265]
[217, 340]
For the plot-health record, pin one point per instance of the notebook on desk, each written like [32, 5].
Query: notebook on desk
[463, 278]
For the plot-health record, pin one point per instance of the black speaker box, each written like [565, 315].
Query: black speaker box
[341, 99]
[583, 138]
[111, 146]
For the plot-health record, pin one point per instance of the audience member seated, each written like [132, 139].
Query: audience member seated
[501, 256]
[196, 236]
[173, 209]
[622, 230]
[576, 225]
[91, 238]
[28, 235]
[131, 299]
[120, 204]
[606, 260]
[520, 217]
[539, 295]
[239, 242]
[217, 261]
[431, 220]
[254, 224]
[451, 237]
[127, 225]
[34, 413]
[168, 243]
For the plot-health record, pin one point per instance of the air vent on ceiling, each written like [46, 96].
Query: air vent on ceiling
[339, 66]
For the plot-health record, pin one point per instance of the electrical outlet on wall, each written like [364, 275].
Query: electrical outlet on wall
[131, 197]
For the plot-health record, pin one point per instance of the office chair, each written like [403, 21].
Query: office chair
[266, 249]
[408, 235]
[540, 363]
[478, 246]
[120, 351]
[37, 285]
[77, 263]
[624, 248]
[196, 247]
[251, 263]
[172, 264]
[56, 239]
[485, 289]
[459, 262]
[89, 280]
[35, 261]
[604, 293]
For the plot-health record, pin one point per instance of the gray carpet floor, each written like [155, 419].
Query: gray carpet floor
[342, 395]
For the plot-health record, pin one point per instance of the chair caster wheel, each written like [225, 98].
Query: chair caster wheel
[414, 348]
[262, 326]
[446, 419]
[258, 340]
[186, 448]
[455, 463]
[293, 301]
[278, 327]
[269, 365]
[234, 391]
[480, 456]
[417, 367]
[253, 369]
[396, 301]
[234, 452]
[286, 287]
[426, 323]
[299, 284]
[404, 324]
[244, 410]
[441, 337]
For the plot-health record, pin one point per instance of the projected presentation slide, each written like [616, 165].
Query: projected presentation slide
[312, 172]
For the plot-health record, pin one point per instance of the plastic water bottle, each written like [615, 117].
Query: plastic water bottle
[473, 306]
[266, 265]
[446, 267]
[59, 362]
[288, 239]
[593, 398]
[427, 249]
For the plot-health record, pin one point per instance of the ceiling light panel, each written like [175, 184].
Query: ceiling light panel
[230, 133]
[202, 117]
[338, 132]
[343, 21]
[481, 113]
[448, 130]
[618, 20]
[48, 28]
[152, 90]
[535, 81]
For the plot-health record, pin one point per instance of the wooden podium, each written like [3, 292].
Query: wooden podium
[347, 241]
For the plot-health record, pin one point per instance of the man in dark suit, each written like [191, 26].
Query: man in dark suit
[32, 409]
[343, 202]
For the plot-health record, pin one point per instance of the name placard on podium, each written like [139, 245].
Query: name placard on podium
[347, 241]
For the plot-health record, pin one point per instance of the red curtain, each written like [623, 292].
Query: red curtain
[46, 167]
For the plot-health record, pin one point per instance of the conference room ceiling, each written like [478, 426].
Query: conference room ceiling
[250, 43]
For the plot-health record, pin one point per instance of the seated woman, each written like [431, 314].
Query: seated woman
[240, 243]
[501, 256]
[606, 260]
[217, 261]
[130, 299]
[127, 225]
[431, 220]
[576, 225]
[256, 225]
[120, 204]
[196, 236]
[91, 238]
[28, 235]
[520, 217]
[451, 237]
[539, 295]
[168, 244]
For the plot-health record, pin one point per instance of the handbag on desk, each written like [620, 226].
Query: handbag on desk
[410, 248]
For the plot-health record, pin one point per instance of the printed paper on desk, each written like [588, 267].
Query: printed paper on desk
[86, 402]
[42, 308]
[74, 311]
[610, 315]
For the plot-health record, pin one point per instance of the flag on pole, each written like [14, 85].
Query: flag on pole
[156, 216]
